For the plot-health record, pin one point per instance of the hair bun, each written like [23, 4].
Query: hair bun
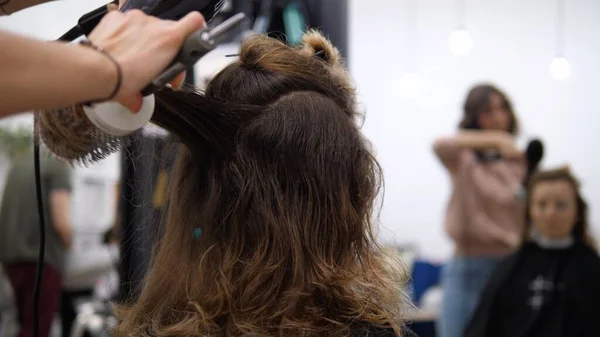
[316, 44]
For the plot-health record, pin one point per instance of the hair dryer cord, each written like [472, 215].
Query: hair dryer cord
[40, 265]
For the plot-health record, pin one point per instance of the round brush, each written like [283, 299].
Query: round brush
[69, 134]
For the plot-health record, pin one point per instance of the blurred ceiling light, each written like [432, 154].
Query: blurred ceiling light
[409, 83]
[460, 42]
[560, 69]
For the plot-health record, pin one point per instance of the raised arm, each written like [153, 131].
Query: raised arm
[60, 212]
[448, 149]
[37, 75]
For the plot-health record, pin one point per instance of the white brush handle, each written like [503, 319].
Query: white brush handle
[115, 119]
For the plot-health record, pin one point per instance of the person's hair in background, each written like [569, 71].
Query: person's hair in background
[270, 228]
[487, 107]
[556, 207]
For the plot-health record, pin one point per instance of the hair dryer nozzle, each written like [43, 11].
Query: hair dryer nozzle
[163, 9]
[176, 9]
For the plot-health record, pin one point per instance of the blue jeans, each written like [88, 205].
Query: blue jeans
[463, 281]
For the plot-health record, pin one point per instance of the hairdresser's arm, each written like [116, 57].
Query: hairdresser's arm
[40, 75]
[59, 177]
[60, 210]
[448, 149]
[44, 75]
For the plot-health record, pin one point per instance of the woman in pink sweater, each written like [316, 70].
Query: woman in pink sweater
[484, 214]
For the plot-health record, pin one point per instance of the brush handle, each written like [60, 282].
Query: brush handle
[193, 49]
[195, 46]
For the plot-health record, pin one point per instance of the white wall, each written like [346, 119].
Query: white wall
[513, 47]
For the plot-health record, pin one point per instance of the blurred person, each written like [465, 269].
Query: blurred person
[549, 287]
[20, 234]
[484, 214]
[8, 309]
[104, 284]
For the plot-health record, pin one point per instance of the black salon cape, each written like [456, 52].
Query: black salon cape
[564, 284]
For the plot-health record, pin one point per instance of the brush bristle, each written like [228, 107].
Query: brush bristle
[68, 134]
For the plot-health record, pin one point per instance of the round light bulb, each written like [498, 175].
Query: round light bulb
[409, 84]
[560, 69]
[460, 42]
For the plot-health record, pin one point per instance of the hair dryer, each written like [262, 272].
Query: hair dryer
[175, 9]
[533, 156]
[163, 9]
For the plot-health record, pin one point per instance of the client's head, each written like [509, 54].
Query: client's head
[556, 207]
[274, 173]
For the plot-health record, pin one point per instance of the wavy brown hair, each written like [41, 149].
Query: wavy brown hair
[581, 231]
[478, 102]
[275, 171]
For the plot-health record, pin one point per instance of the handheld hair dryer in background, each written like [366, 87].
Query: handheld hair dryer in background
[533, 156]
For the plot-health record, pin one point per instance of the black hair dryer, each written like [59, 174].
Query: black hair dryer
[163, 9]
[175, 9]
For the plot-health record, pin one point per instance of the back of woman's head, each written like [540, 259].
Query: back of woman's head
[275, 173]
[482, 99]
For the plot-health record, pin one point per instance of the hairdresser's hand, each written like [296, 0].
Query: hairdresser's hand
[512, 240]
[143, 46]
[507, 148]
